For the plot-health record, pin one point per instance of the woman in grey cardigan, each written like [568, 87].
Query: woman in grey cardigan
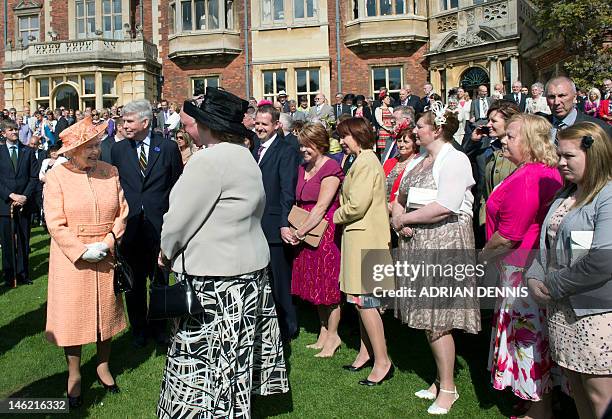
[218, 358]
[573, 273]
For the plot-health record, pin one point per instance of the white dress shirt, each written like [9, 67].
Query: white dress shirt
[265, 146]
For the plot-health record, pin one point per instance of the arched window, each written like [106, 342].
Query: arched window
[66, 96]
[472, 78]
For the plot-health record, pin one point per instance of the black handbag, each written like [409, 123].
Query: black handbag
[123, 280]
[170, 301]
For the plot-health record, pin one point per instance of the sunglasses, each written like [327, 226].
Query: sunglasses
[180, 138]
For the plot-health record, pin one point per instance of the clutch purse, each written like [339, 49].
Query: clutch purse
[297, 216]
[123, 279]
[170, 301]
[419, 197]
[580, 244]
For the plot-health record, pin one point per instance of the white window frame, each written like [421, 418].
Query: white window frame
[25, 33]
[115, 32]
[387, 68]
[85, 18]
[268, 17]
[274, 94]
[304, 3]
[206, 80]
[393, 8]
[447, 5]
[308, 93]
[225, 16]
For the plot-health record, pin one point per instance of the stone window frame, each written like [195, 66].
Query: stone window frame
[446, 5]
[112, 96]
[358, 9]
[99, 21]
[226, 13]
[392, 92]
[310, 94]
[315, 10]
[27, 9]
[273, 96]
[206, 79]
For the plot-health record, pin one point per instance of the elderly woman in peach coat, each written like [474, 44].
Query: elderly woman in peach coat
[84, 206]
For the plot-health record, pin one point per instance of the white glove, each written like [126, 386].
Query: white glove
[101, 246]
[93, 255]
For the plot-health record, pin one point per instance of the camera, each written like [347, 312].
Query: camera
[485, 130]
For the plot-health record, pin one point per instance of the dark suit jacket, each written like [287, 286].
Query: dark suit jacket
[105, 149]
[413, 101]
[367, 113]
[164, 166]
[521, 104]
[279, 167]
[582, 117]
[343, 109]
[23, 181]
[61, 125]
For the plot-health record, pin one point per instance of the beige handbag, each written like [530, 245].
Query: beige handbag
[297, 216]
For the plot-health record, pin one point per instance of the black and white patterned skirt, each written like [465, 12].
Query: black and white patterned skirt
[217, 359]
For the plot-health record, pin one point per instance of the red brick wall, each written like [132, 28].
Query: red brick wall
[177, 78]
[59, 18]
[356, 69]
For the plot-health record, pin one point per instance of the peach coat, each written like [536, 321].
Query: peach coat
[82, 208]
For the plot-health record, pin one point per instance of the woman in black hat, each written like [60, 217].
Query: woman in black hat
[217, 359]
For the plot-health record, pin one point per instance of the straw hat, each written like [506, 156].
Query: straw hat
[80, 133]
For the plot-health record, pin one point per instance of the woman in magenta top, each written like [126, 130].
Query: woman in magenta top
[316, 270]
[519, 356]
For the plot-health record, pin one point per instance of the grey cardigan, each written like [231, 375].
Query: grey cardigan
[587, 283]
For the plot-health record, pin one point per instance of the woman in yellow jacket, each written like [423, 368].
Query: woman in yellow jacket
[363, 213]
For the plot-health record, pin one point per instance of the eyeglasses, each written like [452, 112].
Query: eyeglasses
[180, 138]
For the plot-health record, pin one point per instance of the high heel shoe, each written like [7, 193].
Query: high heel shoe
[113, 388]
[75, 401]
[331, 355]
[434, 409]
[426, 394]
[387, 376]
[368, 363]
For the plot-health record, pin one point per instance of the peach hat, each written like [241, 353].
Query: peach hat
[80, 133]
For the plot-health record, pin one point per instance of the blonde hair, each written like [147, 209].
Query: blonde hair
[598, 170]
[594, 91]
[535, 133]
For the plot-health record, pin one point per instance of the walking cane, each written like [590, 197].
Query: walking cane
[14, 248]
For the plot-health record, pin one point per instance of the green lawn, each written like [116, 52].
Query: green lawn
[32, 367]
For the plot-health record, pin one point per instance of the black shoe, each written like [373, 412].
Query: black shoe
[368, 363]
[114, 388]
[139, 341]
[25, 281]
[74, 402]
[387, 376]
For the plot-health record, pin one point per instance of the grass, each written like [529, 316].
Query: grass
[32, 367]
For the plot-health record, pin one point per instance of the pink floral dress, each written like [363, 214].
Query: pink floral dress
[519, 357]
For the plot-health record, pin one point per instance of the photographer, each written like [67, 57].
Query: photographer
[489, 166]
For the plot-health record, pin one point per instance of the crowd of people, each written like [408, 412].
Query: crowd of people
[522, 181]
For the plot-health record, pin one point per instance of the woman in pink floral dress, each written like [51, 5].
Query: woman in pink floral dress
[519, 357]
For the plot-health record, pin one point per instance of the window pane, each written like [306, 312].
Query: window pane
[378, 75]
[106, 25]
[108, 85]
[300, 75]
[385, 7]
[34, 22]
[280, 81]
[310, 8]
[117, 6]
[91, 25]
[200, 14]
[89, 85]
[57, 80]
[80, 9]
[91, 8]
[298, 7]
[108, 102]
[395, 78]
[268, 82]
[199, 87]
[81, 27]
[117, 23]
[229, 14]
[371, 7]
[399, 7]
[213, 81]
[213, 14]
[279, 12]
[314, 80]
[106, 7]
[454, 3]
[186, 11]
[43, 87]
[266, 11]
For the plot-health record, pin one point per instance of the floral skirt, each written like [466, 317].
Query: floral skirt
[218, 358]
[519, 356]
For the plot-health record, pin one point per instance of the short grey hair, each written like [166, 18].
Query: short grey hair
[538, 85]
[286, 120]
[142, 107]
[558, 79]
[292, 102]
[405, 112]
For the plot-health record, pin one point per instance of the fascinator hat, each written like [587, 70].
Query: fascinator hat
[80, 133]
[439, 110]
[220, 111]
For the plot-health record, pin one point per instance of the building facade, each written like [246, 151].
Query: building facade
[79, 53]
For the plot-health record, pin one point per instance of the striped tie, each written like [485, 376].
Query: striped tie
[142, 159]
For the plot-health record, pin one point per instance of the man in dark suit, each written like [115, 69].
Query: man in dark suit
[18, 179]
[149, 166]
[517, 96]
[107, 143]
[278, 162]
[424, 102]
[408, 99]
[340, 107]
[561, 98]
[62, 123]
[35, 204]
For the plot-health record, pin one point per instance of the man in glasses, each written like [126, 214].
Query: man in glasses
[321, 110]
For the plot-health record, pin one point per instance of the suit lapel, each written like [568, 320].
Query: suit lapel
[154, 152]
[21, 154]
[133, 157]
[270, 151]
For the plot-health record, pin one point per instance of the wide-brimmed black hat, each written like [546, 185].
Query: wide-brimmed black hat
[220, 111]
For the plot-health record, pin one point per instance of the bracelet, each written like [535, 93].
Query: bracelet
[298, 237]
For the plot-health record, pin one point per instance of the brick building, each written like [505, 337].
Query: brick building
[79, 53]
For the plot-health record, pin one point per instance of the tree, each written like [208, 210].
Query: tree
[586, 29]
